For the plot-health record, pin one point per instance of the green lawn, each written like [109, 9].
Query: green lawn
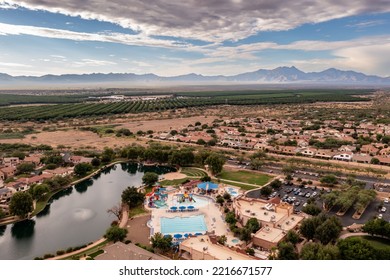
[136, 211]
[193, 172]
[172, 182]
[377, 242]
[242, 186]
[245, 177]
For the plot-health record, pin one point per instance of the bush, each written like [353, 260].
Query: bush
[60, 252]
[48, 256]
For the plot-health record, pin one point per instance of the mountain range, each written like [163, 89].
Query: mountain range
[280, 75]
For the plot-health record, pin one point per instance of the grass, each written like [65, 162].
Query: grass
[245, 177]
[376, 242]
[242, 186]
[173, 182]
[137, 211]
[88, 252]
[97, 253]
[193, 172]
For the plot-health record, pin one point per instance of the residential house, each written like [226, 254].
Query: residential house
[325, 154]
[35, 159]
[347, 148]
[5, 194]
[11, 161]
[2, 175]
[383, 160]
[18, 186]
[369, 149]
[58, 172]
[164, 135]
[345, 156]
[309, 152]
[8, 171]
[384, 152]
[80, 159]
[362, 158]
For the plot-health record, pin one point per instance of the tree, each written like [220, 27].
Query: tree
[312, 209]
[355, 249]
[21, 204]
[329, 180]
[132, 197]
[328, 231]
[252, 225]
[256, 163]
[115, 233]
[231, 218]
[222, 239]
[95, 162]
[107, 155]
[116, 210]
[317, 251]
[25, 168]
[201, 142]
[39, 190]
[330, 199]
[220, 200]
[265, 191]
[160, 242]
[81, 169]
[292, 237]
[206, 178]
[2, 214]
[288, 169]
[276, 184]
[245, 234]
[287, 251]
[182, 158]
[150, 178]
[215, 163]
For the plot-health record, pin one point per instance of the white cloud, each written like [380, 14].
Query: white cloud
[213, 21]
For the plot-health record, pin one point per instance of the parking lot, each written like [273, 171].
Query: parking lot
[298, 196]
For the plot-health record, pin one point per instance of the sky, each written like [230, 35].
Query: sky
[208, 37]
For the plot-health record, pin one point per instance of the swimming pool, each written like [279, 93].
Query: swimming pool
[160, 204]
[192, 224]
[232, 191]
[198, 201]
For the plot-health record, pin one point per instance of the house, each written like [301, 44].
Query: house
[80, 159]
[5, 194]
[35, 159]
[383, 160]
[164, 135]
[8, 171]
[309, 152]
[2, 175]
[58, 172]
[347, 148]
[11, 161]
[18, 186]
[384, 152]
[362, 158]
[326, 154]
[346, 156]
[369, 149]
[121, 251]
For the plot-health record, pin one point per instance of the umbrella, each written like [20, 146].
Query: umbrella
[178, 235]
[186, 235]
[190, 207]
[198, 233]
[173, 208]
[167, 235]
[182, 207]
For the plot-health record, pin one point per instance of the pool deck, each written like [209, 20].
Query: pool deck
[212, 215]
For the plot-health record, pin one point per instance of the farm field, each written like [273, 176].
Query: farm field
[181, 100]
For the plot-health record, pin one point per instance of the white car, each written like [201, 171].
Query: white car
[380, 216]
[386, 200]
[383, 209]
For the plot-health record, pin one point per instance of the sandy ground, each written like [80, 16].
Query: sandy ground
[138, 231]
[174, 176]
[166, 124]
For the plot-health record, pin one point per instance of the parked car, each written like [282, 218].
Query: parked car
[305, 204]
[297, 203]
[307, 195]
[386, 200]
[314, 194]
[380, 216]
[383, 209]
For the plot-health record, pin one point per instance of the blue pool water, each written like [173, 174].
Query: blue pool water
[235, 240]
[232, 191]
[197, 202]
[192, 224]
[160, 204]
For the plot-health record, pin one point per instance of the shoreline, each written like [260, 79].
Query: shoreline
[14, 219]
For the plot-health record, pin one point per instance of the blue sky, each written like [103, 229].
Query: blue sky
[170, 37]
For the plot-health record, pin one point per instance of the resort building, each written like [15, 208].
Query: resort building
[121, 251]
[275, 217]
[203, 248]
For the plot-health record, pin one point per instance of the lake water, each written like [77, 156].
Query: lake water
[75, 216]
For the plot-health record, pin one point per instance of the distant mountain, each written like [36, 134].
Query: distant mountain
[285, 75]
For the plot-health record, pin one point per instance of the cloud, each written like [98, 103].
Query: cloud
[208, 20]
[92, 62]
[135, 40]
[369, 23]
